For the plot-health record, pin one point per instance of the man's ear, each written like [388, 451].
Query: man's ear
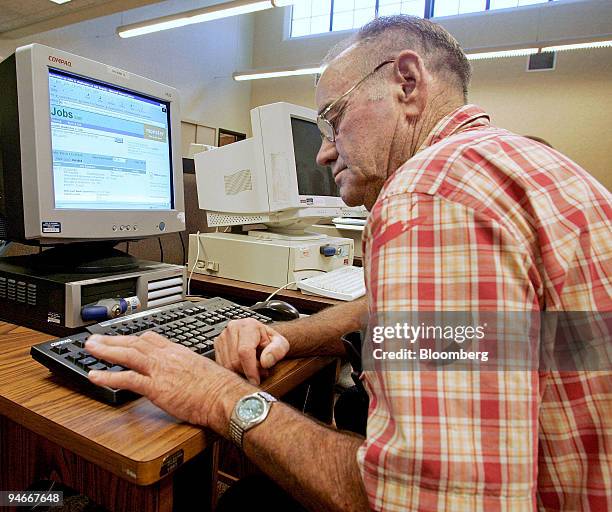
[414, 81]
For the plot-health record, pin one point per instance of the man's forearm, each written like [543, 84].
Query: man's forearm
[319, 468]
[313, 463]
[320, 333]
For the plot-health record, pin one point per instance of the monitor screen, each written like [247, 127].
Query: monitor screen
[111, 147]
[313, 179]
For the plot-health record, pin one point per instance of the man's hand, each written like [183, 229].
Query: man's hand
[186, 385]
[237, 346]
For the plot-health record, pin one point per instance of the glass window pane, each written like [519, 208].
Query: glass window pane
[363, 4]
[362, 16]
[321, 7]
[502, 4]
[343, 21]
[531, 2]
[471, 6]
[415, 8]
[446, 7]
[301, 9]
[387, 2]
[388, 10]
[343, 5]
[300, 27]
[319, 24]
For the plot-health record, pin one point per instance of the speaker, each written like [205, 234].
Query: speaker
[544, 61]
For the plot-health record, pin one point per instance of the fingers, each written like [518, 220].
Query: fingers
[121, 380]
[247, 352]
[276, 350]
[238, 333]
[120, 351]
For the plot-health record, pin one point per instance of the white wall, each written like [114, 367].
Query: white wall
[198, 60]
[571, 106]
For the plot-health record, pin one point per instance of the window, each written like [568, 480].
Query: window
[319, 16]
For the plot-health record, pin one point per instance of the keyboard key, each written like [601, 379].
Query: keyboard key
[97, 366]
[86, 361]
[73, 357]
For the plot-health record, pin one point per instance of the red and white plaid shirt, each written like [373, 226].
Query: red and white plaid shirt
[493, 222]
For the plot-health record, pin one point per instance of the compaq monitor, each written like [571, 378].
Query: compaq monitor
[271, 178]
[89, 153]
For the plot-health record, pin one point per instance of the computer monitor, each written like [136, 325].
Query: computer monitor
[271, 178]
[89, 152]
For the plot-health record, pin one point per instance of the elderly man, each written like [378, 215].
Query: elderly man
[464, 216]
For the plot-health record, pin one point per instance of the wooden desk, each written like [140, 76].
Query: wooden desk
[249, 293]
[114, 455]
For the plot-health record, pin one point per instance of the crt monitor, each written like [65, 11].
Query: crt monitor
[89, 152]
[271, 178]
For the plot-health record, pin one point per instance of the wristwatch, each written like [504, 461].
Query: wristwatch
[248, 412]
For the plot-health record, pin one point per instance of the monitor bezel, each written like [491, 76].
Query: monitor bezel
[32, 68]
[275, 132]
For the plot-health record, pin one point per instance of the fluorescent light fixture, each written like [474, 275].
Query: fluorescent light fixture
[60, 1]
[256, 74]
[503, 53]
[578, 46]
[213, 12]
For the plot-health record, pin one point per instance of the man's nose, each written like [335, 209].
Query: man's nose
[327, 154]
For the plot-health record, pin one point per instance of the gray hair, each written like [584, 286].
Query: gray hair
[385, 37]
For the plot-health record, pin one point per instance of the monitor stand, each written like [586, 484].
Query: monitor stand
[291, 230]
[86, 258]
[285, 236]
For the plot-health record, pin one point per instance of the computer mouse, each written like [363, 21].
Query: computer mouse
[277, 310]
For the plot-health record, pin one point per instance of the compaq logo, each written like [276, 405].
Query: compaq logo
[62, 342]
[58, 60]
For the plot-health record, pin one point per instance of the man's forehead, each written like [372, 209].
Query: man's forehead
[336, 79]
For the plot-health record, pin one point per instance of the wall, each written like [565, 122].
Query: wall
[198, 60]
[570, 106]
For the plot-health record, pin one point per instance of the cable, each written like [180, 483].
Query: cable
[195, 262]
[161, 249]
[48, 490]
[306, 399]
[4, 245]
[183, 246]
[281, 288]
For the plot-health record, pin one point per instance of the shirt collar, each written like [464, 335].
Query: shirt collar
[467, 116]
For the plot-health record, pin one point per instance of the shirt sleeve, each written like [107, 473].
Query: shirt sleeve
[447, 439]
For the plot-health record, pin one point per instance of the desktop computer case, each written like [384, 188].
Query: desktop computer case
[267, 262]
[52, 302]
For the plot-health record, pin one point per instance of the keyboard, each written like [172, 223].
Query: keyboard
[192, 324]
[344, 283]
[349, 221]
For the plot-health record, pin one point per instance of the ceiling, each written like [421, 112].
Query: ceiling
[21, 18]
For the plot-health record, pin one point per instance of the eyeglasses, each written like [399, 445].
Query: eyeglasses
[325, 126]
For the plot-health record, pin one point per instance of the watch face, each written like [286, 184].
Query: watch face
[251, 409]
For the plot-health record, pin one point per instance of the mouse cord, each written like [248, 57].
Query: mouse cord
[281, 288]
[194, 264]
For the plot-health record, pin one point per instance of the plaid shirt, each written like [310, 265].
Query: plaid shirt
[483, 219]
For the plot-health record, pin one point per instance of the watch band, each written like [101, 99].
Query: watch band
[238, 427]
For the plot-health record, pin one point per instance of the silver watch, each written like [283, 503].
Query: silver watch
[248, 412]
